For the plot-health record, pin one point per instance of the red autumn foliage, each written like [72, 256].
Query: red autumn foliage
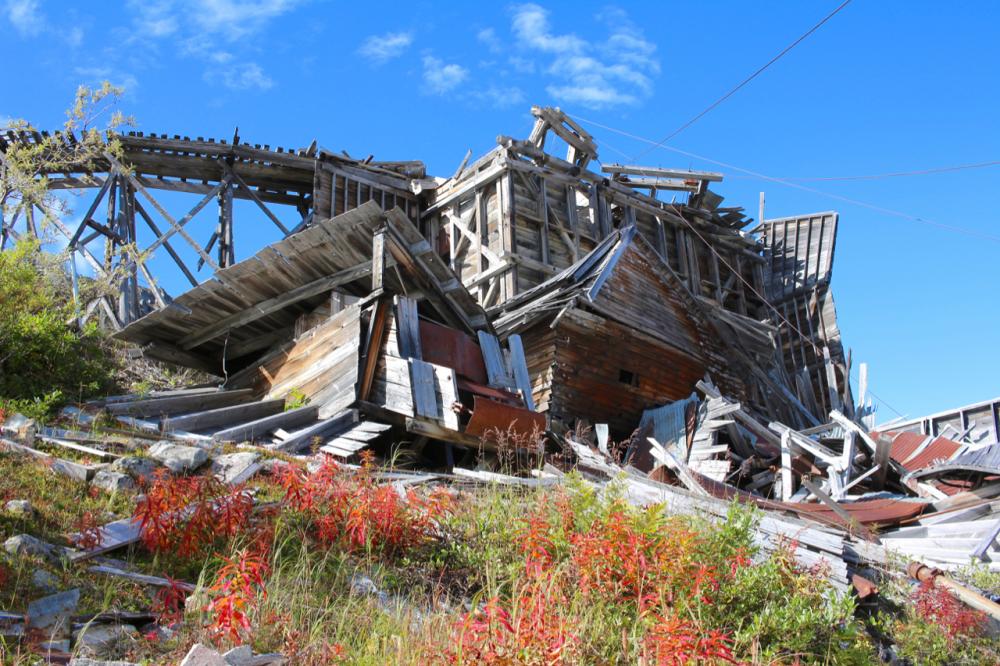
[938, 606]
[236, 587]
[187, 515]
[168, 604]
[89, 535]
[672, 641]
[535, 631]
[619, 558]
[355, 513]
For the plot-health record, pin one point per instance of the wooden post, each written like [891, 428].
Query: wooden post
[883, 446]
[378, 259]
[227, 255]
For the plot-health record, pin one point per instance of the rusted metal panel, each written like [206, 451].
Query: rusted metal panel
[489, 414]
[451, 348]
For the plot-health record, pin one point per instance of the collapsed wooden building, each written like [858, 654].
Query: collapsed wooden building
[527, 279]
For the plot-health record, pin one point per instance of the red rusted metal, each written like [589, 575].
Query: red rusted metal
[489, 414]
[453, 349]
[878, 512]
[499, 395]
[864, 587]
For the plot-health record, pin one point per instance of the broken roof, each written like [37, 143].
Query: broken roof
[254, 303]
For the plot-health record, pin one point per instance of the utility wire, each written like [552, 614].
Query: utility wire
[746, 80]
[898, 174]
[788, 183]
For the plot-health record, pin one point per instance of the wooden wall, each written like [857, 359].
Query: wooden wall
[506, 226]
[593, 368]
[339, 188]
[322, 363]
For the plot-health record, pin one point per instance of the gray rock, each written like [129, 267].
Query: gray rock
[113, 482]
[43, 581]
[25, 544]
[53, 613]
[19, 508]
[103, 640]
[199, 655]
[244, 656]
[86, 661]
[159, 632]
[238, 655]
[177, 457]
[55, 646]
[139, 468]
[235, 468]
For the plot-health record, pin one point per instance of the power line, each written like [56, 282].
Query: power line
[805, 188]
[897, 174]
[746, 80]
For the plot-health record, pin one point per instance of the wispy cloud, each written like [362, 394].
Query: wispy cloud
[618, 71]
[234, 19]
[488, 37]
[441, 77]
[94, 76]
[212, 31]
[500, 97]
[382, 48]
[26, 16]
[243, 76]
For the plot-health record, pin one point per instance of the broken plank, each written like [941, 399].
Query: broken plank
[260, 427]
[326, 428]
[223, 415]
[180, 404]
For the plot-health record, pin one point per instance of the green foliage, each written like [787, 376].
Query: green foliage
[43, 358]
[295, 399]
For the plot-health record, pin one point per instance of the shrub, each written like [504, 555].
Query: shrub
[43, 359]
[187, 516]
[356, 513]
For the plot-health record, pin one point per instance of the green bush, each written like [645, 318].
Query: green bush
[44, 359]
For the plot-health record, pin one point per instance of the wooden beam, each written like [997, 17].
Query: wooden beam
[274, 304]
[839, 510]
[248, 431]
[180, 404]
[223, 416]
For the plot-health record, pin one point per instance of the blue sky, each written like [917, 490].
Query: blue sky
[883, 87]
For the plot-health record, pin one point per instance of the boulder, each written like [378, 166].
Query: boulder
[43, 581]
[236, 468]
[25, 544]
[199, 655]
[53, 613]
[113, 482]
[104, 640]
[139, 468]
[178, 458]
[19, 508]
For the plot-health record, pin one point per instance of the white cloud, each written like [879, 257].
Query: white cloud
[212, 31]
[382, 48]
[94, 76]
[245, 76]
[500, 96]
[237, 18]
[439, 77]
[618, 71]
[74, 36]
[488, 36]
[531, 26]
[154, 18]
[25, 16]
